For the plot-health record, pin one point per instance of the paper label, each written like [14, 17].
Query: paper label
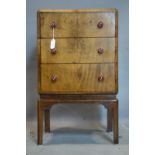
[52, 46]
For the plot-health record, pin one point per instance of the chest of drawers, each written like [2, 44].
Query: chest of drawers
[83, 66]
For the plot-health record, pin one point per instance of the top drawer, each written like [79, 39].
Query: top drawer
[82, 24]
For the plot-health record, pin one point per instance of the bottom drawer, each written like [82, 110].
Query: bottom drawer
[78, 78]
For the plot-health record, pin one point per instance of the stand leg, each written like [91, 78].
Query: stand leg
[47, 120]
[40, 123]
[115, 114]
[109, 119]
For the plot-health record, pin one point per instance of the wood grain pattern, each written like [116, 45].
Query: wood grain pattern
[80, 50]
[66, 24]
[87, 24]
[77, 24]
[78, 78]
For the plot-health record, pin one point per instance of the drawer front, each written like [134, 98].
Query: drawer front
[100, 24]
[96, 24]
[79, 50]
[76, 78]
[66, 24]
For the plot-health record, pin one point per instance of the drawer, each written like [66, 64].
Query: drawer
[76, 78]
[66, 24]
[101, 24]
[96, 24]
[79, 50]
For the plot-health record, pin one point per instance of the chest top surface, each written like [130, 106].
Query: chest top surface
[85, 58]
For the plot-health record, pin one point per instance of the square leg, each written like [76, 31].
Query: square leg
[109, 119]
[47, 120]
[40, 123]
[115, 122]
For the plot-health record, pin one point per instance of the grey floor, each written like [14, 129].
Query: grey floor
[67, 140]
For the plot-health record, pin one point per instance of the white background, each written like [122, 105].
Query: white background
[13, 86]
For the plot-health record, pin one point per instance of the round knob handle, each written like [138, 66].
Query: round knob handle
[100, 50]
[54, 78]
[101, 77]
[53, 51]
[100, 24]
[53, 24]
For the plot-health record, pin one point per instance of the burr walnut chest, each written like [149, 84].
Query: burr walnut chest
[82, 67]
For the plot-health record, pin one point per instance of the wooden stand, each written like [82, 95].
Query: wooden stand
[110, 102]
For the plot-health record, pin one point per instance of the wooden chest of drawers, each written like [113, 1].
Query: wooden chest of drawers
[84, 62]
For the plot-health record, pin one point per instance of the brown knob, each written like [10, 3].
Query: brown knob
[101, 78]
[53, 24]
[100, 50]
[53, 51]
[100, 24]
[54, 78]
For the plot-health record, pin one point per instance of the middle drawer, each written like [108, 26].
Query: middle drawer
[79, 50]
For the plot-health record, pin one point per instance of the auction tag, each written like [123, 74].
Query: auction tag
[52, 46]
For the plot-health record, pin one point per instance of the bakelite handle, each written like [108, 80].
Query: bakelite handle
[53, 51]
[54, 78]
[100, 50]
[100, 24]
[101, 77]
[53, 25]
